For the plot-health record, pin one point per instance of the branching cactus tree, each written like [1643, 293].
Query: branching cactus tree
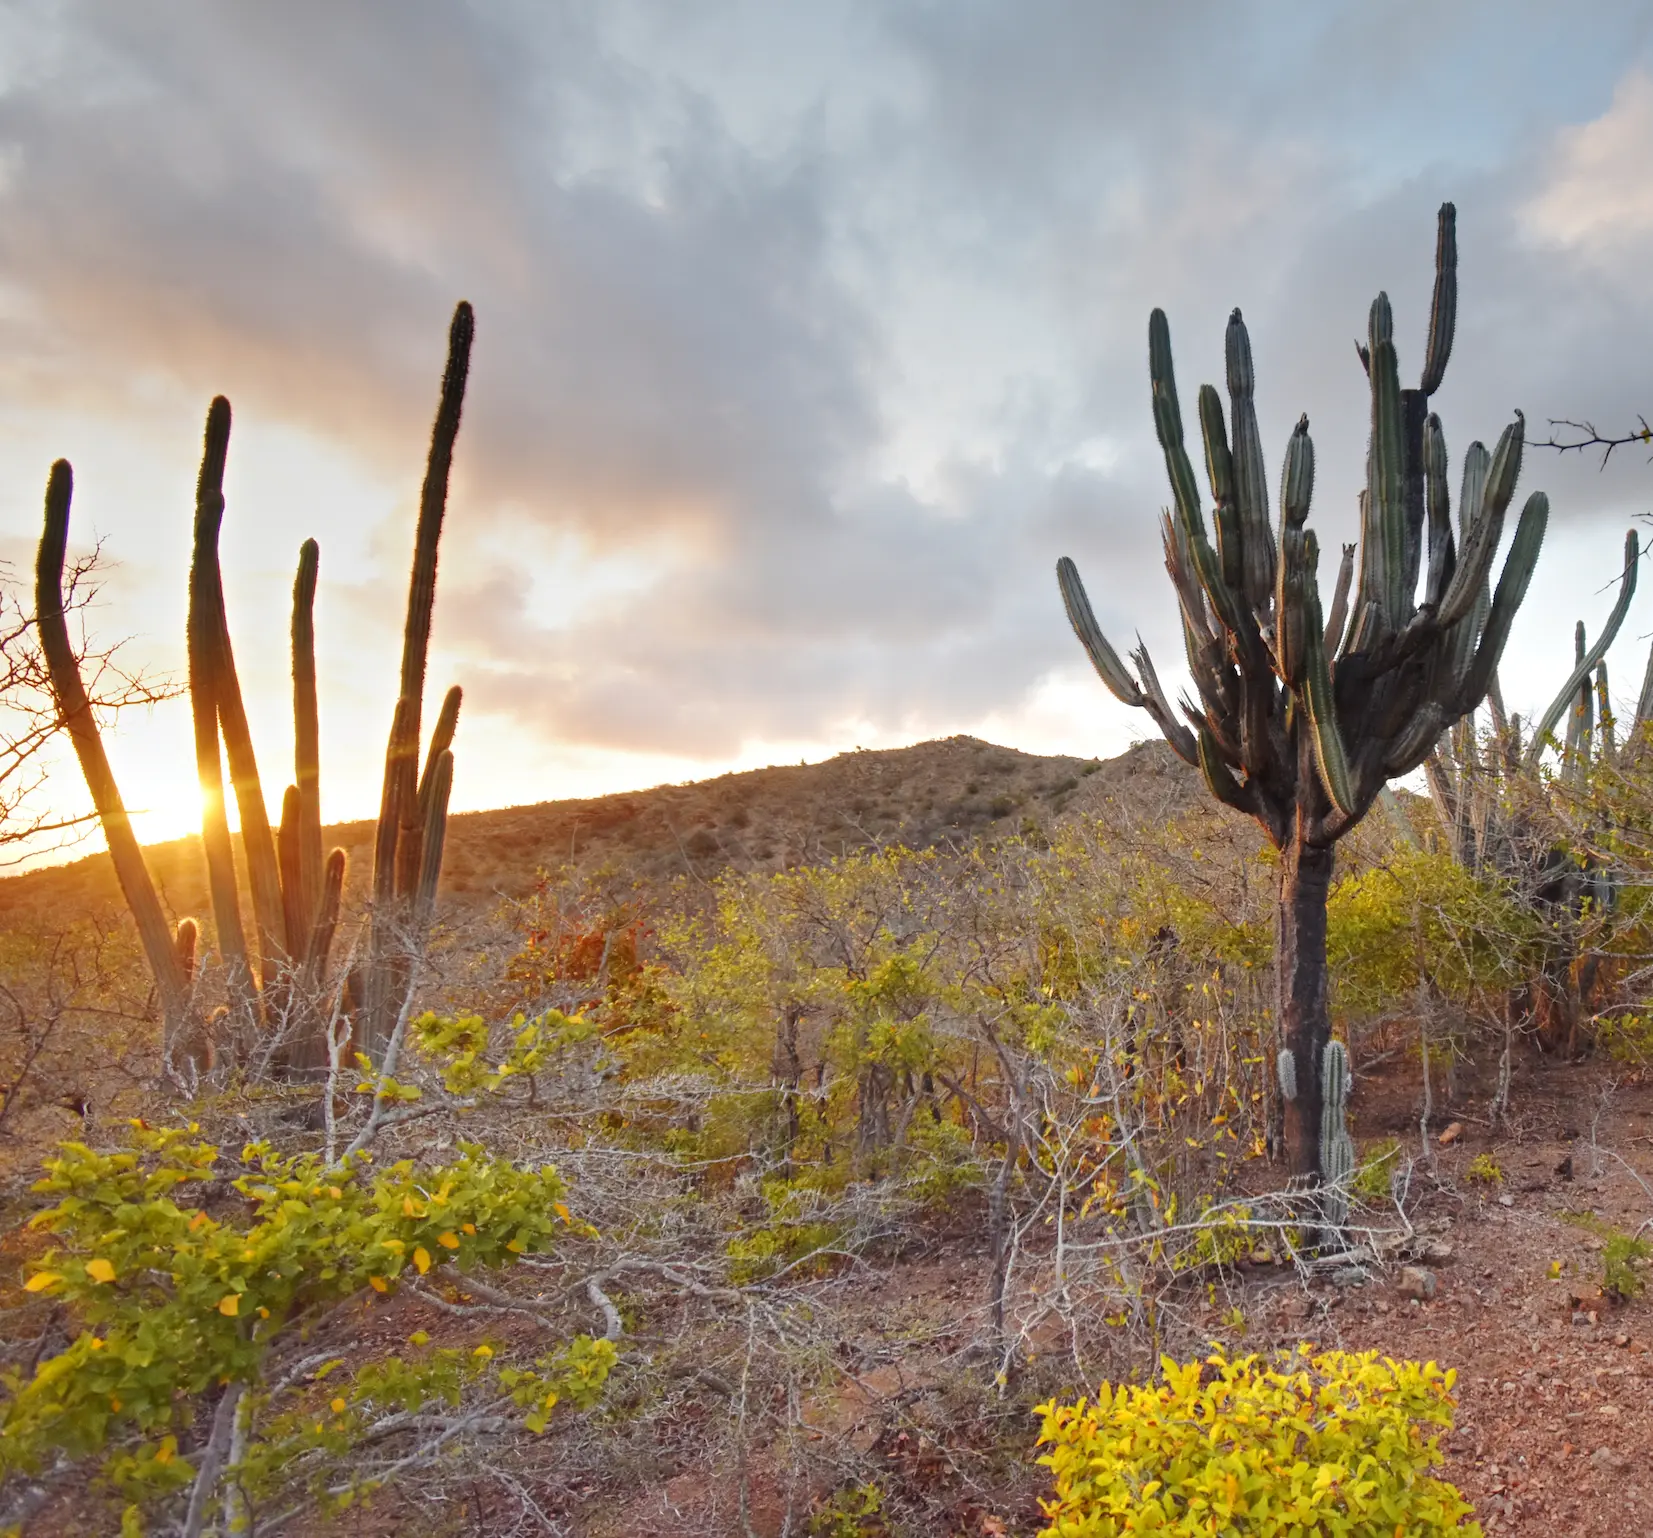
[276, 1013]
[1300, 720]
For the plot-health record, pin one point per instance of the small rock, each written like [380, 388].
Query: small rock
[1417, 1283]
[1581, 1318]
[1609, 1458]
[1451, 1135]
[1506, 1200]
[1437, 1252]
[1348, 1276]
[1621, 1340]
[1382, 1306]
[1565, 1168]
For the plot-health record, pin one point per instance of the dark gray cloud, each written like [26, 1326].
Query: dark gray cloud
[831, 326]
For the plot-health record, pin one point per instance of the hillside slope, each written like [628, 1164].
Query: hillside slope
[948, 791]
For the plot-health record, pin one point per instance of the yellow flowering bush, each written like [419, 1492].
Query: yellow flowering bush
[1333, 1444]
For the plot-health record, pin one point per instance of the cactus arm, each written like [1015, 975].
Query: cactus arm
[1644, 701]
[1082, 617]
[288, 839]
[1443, 307]
[263, 868]
[204, 652]
[1330, 756]
[1340, 601]
[1480, 543]
[1168, 428]
[1250, 482]
[1159, 707]
[1219, 778]
[1586, 665]
[75, 711]
[1442, 551]
[1604, 712]
[1385, 472]
[1512, 589]
[435, 835]
[306, 741]
[441, 739]
[1575, 715]
[402, 751]
[320, 941]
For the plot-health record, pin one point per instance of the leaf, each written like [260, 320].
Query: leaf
[230, 1304]
[40, 1281]
[561, 1209]
[421, 1259]
[448, 1241]
[337, 1407]
[378, 1284]
[100, 1270]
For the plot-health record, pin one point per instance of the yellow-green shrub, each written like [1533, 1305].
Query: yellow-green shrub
[1333, 1444]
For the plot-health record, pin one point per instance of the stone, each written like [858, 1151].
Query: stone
[1506, 1200]
[1417, 1282]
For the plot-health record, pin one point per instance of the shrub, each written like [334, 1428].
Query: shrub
[1484, 1170]
[169, 1302]
[1334, 1444]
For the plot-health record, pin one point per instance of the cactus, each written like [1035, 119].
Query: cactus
[164, 951]
[1500, 811]
[403, 880]
[296, 894]
[1337, 1149]
[1297, 721]
[1285, 1066]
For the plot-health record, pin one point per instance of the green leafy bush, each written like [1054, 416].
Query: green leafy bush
[173, 1302]
[1332, 1444]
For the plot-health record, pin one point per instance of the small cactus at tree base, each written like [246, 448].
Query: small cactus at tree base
[1337, 1149]
[1285, 1067]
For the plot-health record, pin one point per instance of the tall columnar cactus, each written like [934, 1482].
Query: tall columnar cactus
[1300, 722]
[1337, 1149]
[163, 951]
[296, 893]
[403, 880]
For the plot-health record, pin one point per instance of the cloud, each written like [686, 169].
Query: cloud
[807, 339]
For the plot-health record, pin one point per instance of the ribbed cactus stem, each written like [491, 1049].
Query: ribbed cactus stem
[202, 634]
[435, 835]
[1604, 714]
[402, 758]
[75, 711]
[1285, 1068]
[288, 840]
[263, 870]
[306, 743]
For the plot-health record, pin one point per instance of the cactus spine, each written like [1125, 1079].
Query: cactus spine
[1337, 1149]
[1285, 1066]
[1300, 722]
[296, 893]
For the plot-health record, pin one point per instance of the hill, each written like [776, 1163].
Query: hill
[949, 791]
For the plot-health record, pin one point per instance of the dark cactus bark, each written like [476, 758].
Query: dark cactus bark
[1305, 1019]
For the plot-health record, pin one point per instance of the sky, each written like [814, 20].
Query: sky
[809, 334]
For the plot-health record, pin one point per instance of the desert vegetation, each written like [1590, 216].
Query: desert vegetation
[947, 1141]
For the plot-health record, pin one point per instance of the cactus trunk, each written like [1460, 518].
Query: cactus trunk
[1302, 1010]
